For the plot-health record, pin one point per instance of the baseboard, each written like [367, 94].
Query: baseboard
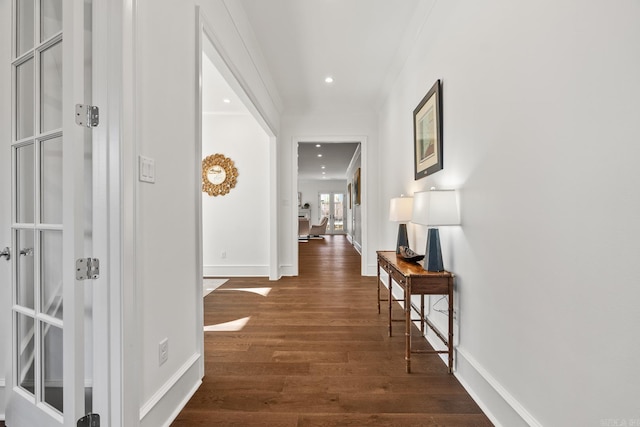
[500, 406]
[3, 399]
[165, 405]
[286, 270]
[236, 270]
[358, 247]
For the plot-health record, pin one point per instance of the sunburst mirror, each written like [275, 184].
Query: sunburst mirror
[218, 175]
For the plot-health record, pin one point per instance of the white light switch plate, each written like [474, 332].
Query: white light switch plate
[146, 169]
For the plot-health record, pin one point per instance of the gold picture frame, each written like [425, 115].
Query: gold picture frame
[219, 175]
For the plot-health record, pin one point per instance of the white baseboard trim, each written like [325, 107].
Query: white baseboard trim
[286, 270]
[3, 400]
[236, 270]
[500, 406]
[358, 247]
[162, 408]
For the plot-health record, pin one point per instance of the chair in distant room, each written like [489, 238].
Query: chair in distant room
[303, 229]
[319, 229]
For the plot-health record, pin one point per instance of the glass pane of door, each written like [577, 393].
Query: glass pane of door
[50, 18]
[25, 296]
[325, 206]
[26, 352]
[25, 183]
[25, 31]
[25, 91]
[338, 212]
[51, 274]
[51, 181]
[51, 88]
[52, 368]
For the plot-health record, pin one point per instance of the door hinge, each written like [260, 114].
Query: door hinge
[87, 268]
[89, 420]
[87, 115]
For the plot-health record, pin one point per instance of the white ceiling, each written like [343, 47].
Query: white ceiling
[362, 44]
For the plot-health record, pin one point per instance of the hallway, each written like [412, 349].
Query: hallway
[315, 352]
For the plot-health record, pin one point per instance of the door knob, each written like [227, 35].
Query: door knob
[6, 252]
[26, 251]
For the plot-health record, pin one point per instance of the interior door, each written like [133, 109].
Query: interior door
[332, 206]
[46, 386]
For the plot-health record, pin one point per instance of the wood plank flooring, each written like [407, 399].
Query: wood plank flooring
[315, 352]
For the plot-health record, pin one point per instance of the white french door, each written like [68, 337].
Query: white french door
[332, 206]
[49, 183]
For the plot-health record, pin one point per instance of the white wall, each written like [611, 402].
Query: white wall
[238, 222]
[166, 294]
[166, 210]
[541, 106]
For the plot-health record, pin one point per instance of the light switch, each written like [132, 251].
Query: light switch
[146, 169]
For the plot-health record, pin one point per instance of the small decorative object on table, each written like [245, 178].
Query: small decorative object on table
[408, 255]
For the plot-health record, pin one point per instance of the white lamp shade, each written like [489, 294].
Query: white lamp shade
[401, 209]
[437, 207]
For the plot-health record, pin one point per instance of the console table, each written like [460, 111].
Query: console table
[414, 280]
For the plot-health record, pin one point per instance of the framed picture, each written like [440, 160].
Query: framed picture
[356, 187]
[427, 133]
[349, 194]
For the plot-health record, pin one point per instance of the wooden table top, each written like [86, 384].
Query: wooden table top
[410, 268]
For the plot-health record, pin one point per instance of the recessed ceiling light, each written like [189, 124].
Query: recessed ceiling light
[322, 167]
[329, 79]
[323, 173]
[226, 101]
[319, 155]
[318, 145]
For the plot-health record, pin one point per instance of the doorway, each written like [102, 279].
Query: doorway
[307, 189]
[230, 125]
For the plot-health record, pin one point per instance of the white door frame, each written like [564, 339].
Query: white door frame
[293, 212]
[115, 175]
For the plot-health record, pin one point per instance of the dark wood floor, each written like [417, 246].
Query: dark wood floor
[315, 352]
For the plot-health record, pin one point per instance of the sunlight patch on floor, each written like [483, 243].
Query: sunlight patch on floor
[233, 326]
[210, 285]
[260, 291]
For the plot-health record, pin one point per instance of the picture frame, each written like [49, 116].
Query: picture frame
[349, 195]
[356, 187]
[427, 133]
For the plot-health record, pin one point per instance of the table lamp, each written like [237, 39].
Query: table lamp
[435, 207]
[400, 210]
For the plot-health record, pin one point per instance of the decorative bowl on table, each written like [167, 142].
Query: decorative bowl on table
[408, 255]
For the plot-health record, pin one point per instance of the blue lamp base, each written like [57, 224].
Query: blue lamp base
[403, 239]
[433, 254]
